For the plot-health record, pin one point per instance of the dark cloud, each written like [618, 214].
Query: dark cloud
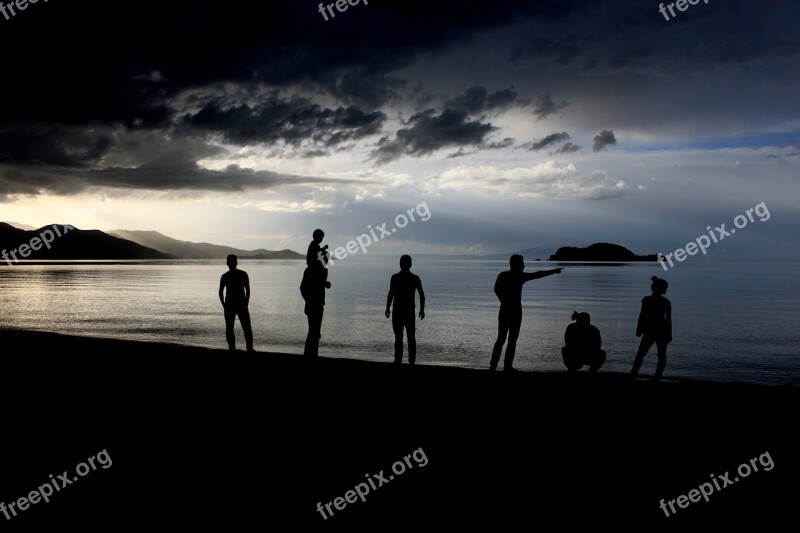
[460, 153]
[745, 48]
[603, 139]
[88, 81]
[36, 180]
[54, 145]
[147, 161]
[314, 153]
[568, 148]
[292, 120]
[553, 138]
[429, 132]
[364, 89]
[636, 56]
[104, 77]
[478, 100]
[498, 145]
[561, 51]
[546, 107]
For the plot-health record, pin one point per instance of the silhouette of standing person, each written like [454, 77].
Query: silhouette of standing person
[654, 326]
[403, 289]
[508, 289]
[234, 294]
[583, 343]
[312, 288]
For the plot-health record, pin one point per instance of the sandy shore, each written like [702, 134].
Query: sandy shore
[202, 436]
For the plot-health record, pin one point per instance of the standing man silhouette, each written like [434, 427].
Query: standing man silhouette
[312, 288]
[235, 302]
[508, 289]
[402, 289]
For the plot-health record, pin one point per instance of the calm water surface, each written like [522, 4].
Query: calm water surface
[731, 321]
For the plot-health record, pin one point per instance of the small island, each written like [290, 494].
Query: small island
[600, 252]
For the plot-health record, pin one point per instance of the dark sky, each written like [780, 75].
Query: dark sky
[519, 123]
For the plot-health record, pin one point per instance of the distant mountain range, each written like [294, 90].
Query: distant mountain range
[67, 243]
[195, 250]
[124, 244]
[26, 227]
[120, 244]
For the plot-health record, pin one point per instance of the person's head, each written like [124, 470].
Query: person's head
[318, 235]
[659, 286]
[232, 261]
[581, 318]
[517, 263]
[405, 262]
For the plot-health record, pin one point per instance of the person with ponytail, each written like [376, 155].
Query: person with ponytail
[654, 327]
[583, 343]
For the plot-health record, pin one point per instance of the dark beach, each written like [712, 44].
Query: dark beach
[206, 437]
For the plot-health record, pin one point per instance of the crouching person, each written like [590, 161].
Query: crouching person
[583, 343]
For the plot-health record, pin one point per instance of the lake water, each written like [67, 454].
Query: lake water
[731, 321]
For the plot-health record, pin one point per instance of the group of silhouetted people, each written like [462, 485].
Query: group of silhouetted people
[583, 343]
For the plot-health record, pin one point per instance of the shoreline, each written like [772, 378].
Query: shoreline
[160, 346]
[208, 437]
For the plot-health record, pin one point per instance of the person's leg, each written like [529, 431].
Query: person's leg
[308, 349]
[244, 318]
[570, 359]
[661, 346]
[412, 338]
[318, 328]
[314, 314]
[397, 327]
[597, 360]
[644, 346]
[230, 320]
[502, 333]
[514, 323]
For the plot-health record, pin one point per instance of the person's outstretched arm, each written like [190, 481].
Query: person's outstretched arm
[222, 290]
[421, 301]
[246, 290]
[541, 274]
